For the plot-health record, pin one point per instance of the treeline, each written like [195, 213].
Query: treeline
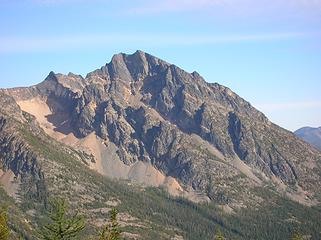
[66, 225]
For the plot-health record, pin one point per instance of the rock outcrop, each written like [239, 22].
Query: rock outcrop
[16, 156]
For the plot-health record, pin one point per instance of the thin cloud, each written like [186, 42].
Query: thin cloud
[232, 6]
[174, 6]
[55, 2]
[27, 44]
[289, 106]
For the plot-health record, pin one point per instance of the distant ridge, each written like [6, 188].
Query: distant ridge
[310, 135]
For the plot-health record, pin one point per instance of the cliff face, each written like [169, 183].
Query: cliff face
[27, 178]
[202, 134]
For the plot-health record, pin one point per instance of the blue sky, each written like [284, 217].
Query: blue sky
[268, 52]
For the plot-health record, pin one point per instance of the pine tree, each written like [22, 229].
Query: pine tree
[4, 229]
[111, 231]
[63, 226]
[219, 235]
[297, 236]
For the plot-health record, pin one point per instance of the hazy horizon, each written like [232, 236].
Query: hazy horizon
[268, 53]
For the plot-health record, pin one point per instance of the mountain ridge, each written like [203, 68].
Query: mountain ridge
[152, 111]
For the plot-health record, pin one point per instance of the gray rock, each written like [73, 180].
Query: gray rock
[188, 128]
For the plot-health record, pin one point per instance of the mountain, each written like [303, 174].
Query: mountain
[138, 124]
[310, 135]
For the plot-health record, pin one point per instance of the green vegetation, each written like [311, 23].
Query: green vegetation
[111, 231]
[17, 220]
[219, 235]
[4, 229]
[297, 236]
[62, 226]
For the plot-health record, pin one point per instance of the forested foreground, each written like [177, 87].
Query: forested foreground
[63, 223]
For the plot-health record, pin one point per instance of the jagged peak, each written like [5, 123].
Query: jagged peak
[138, 54]
[70, 74]
[135, 65]
[51, 76]
[71, 81]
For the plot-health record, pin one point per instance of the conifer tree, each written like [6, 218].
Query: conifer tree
[219, 235]
[111, 231]
[4, 229]
[297, 236]
[63, 226]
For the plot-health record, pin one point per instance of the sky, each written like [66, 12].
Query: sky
[267, 51]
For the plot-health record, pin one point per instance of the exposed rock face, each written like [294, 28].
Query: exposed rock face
[191, 130]
[310, 135]
[15, 154]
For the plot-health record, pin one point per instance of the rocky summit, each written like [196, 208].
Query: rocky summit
[146, 122]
